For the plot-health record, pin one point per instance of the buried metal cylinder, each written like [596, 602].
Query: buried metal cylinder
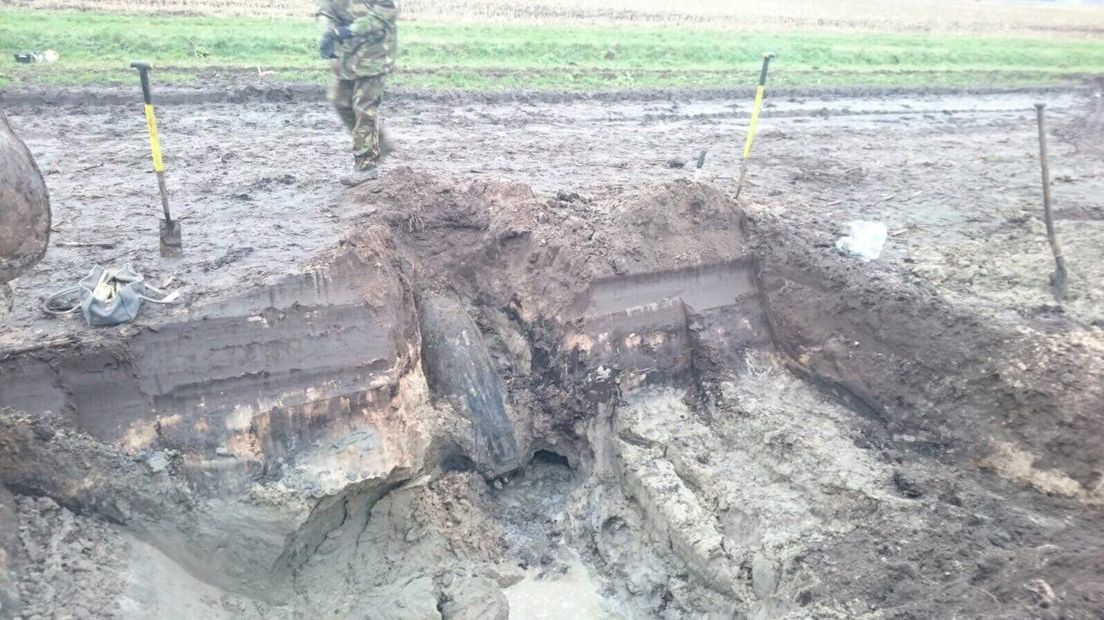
[24, 206]
[458, 369]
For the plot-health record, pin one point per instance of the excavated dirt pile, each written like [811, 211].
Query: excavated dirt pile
[486, 403]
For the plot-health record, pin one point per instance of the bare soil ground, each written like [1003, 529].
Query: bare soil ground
[841, 515]
[955, 177]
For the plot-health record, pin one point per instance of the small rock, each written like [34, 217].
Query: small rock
[1044, 594]
[46, 504]
[1050, 309]
[676, 162]
[158, 461]
[952, 497]
[506, 575]
[764, 576]
[1001, 538]
[964, 275]
[906, 589]
[906, 485]
[42, 430]
[989, 565]
[903, 571]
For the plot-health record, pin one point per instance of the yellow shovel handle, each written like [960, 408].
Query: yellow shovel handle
[759, 92]
[155, 142]
[151, 119]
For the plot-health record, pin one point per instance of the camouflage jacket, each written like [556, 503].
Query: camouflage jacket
[371, 50]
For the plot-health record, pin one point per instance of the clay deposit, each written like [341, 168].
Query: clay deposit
[490, 402]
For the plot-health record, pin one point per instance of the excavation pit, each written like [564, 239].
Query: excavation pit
[485, 403]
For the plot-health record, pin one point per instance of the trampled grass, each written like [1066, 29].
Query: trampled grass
[96, 48]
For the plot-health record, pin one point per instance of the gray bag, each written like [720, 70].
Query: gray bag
[110, 296]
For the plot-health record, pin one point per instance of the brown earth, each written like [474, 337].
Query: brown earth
[910, 437]
[956, 180]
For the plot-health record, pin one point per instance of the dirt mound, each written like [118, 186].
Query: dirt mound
[502, 239]
[639, 402]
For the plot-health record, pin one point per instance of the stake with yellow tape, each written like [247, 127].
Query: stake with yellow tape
[759, 92]
[171, 240]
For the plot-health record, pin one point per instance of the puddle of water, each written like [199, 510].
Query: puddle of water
[570, 596]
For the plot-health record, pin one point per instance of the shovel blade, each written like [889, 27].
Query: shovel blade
[1059, 282]
[172, 244]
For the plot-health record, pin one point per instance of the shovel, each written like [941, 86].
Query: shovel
[171, 242]
[760, 90]
[1059, 280]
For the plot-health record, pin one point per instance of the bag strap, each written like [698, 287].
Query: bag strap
[166, 298]
[48, 307]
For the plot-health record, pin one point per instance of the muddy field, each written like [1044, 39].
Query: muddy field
[954, 177]
[663, 404]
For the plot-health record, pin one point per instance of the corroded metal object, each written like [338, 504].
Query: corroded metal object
[24, 206]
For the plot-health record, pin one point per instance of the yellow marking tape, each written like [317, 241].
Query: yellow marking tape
[155, 142]
[754, 120]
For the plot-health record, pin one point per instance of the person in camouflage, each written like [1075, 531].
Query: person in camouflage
[359, 39]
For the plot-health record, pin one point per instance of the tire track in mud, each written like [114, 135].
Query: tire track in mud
[247, 89]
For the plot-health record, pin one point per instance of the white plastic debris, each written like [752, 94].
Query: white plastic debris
[32, 57]
[865, 241]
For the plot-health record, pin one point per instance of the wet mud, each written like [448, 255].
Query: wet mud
[700, 414]
[628, 391]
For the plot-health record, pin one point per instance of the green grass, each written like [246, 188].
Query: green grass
[96, 48]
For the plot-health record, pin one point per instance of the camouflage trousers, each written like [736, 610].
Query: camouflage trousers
[357, 102]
